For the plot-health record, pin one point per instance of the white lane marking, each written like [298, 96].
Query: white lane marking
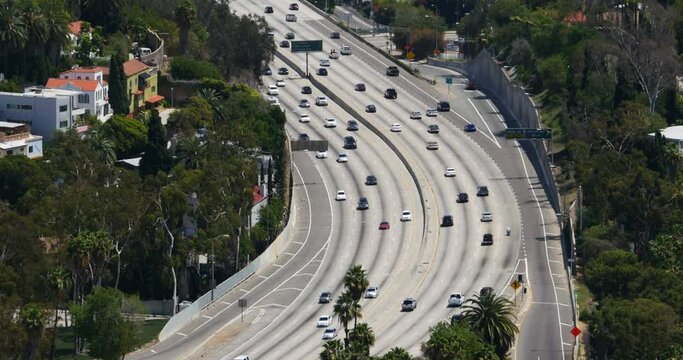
[556, 261]
[315, 261]
[554, 247]
[565, 324]
[207, 317]
[298, 242]
[549, 303]
[152, 351]
[545, 242]
[246, 291]
[496, 111]
[261, 312]
[289, 288]
[263, 277]
[288, 253]
[277, 265]
[225, 303]
[493, 137]
[268, 305]
[561, 288]
[181, 334]
[305, 274]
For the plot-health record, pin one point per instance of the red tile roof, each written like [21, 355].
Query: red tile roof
[155, 99]
[75, 27]
[132, 67]
[83, 85]
[575, 17]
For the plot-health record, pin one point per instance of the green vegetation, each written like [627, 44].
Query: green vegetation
[189, 69]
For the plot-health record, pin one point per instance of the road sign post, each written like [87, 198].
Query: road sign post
[449, 82]
[307, 46]
[515, 285]
[242, 303]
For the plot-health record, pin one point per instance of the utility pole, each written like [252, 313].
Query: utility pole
[212, 267]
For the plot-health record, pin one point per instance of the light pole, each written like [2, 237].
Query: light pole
[171, 96]
[213, 281]
[436, 32]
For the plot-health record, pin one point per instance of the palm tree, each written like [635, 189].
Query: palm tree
[356, 281]
[213, 98]
[33, 318]
[13, 36]
[57, 25]
[362, 338]
[493, 318]
[343, 310]
[185, 16]
[103, 146]
[397, 353]
[191, 152]
[333, 350]
[59, 279]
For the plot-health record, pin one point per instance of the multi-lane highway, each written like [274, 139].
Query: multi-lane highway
[412, 259]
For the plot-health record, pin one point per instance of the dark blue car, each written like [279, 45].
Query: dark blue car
[470, 128]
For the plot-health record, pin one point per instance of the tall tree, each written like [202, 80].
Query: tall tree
[343, 310]
[362, 338]
[118, 91]
[59, 279]
[356, 281]
[185, 16]
[102, 320]
[492, 317]
[33, 317]
[105, 13]
[333, 350]
[396, 353]
[103, 146]
[156, 156]
[57, 25]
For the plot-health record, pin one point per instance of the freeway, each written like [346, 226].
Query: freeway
[450, 259]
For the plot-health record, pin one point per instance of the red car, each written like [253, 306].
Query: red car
[293, 6]
[471, 86]
[384, 225]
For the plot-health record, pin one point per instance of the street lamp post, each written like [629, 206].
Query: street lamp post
[213, 281]
[436, 32]
[171, 96]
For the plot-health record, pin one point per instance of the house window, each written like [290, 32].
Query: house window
[10, 152]
[78, 77]
[154, 89]
[30, 149]
[63, 108]
[83, 98]
[63, 124]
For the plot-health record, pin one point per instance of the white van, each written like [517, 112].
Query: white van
[145, 51]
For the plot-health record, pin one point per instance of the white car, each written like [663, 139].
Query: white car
[325, 62]
[372, 292]
[455, 299]
[280, 83]
[303, 103]
[415, 115]
[342, 158]
[450, 172]
[321, 101]
[321, 155]
[329, 334]
[324, 321]
[242, 357]
[406, 215]
[304, 118]
[341, 195]
[396, 127]
[432, 112]
[345, 50]
[273, 90]
[330, 122]
[274, 101]
[486, 216]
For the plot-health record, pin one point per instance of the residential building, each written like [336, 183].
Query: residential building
[142, 82]
[43, 110]
[16, 139]
[672, 134]
[74, 34]
[94, 91]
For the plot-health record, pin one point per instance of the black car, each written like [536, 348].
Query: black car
[304, 137]
[462, 198]
[289, 36]
[363, 204]
[370, 108]
[284, 44]
[306, 90]
[471, 86]
[293, 6]
[269, 10]
[456, 318]
[487, 240]
[283, 71]
[322, 72]
[335, 35]
[371, 180]
[487, 290]
[392, 71]
[352, 125]
[483, 191]
[350, 142]
[433, 129]
[359, 87]
[447, 220]
[390, 94]
[443, 106]
[325, 297]
[267, 71]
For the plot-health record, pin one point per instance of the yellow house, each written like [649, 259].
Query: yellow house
[142, 82]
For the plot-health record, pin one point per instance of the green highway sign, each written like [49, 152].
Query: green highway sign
[449, 80]
[307, 45]
[524, 133]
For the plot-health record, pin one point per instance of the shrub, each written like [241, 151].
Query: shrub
[189, 69]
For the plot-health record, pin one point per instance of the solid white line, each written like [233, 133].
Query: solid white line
[305, 274]
[263, 277]
[484, 121]
[268, 305]
[564, 324]
[152, 351]
[246, 291]
[225, 303]
[207, 317]
[497, 111]
[549, 303]
[277, 265]
[556, 261]
[545, 242]
[561, 288]
[289, 288]
[181, 334]
[288, 253]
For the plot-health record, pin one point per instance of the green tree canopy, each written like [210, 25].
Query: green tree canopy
[493, 318]
[128, 135]
[118, 89]
[456, 342]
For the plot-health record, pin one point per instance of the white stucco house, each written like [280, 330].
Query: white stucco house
[94, 91]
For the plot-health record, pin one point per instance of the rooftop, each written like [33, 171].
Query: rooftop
[133, 66]
[89, 69]
[84, 85]
[6, 124]
[672, 132]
